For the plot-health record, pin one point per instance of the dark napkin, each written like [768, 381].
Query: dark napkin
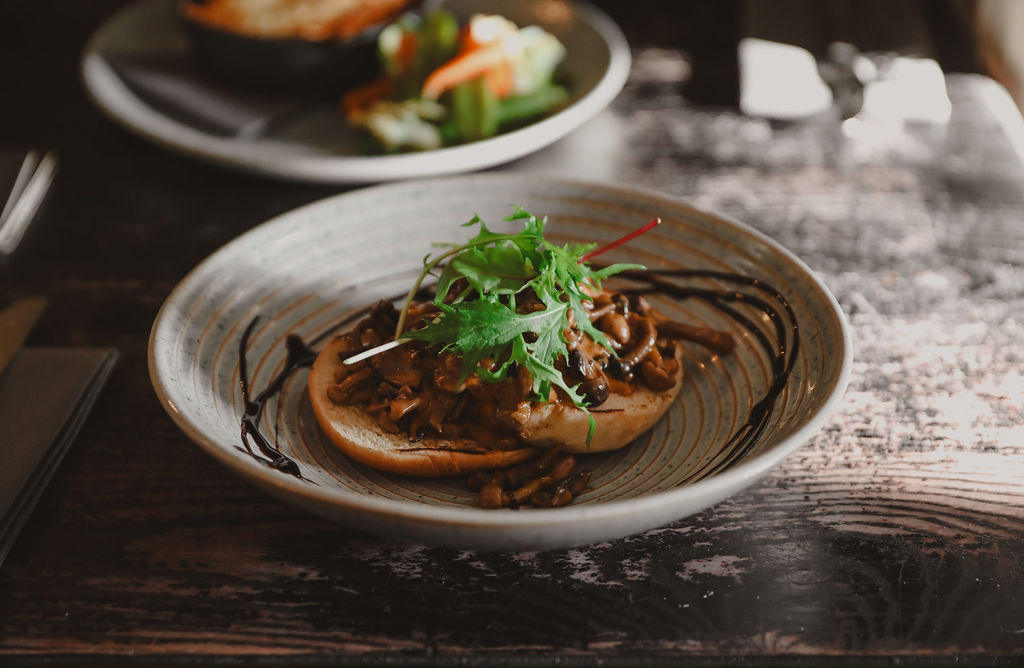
[45, 396]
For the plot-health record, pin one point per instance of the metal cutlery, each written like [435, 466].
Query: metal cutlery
[29, 190]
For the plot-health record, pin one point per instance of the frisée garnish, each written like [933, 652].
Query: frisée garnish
[482, 324]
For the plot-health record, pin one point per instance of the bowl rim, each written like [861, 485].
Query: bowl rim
[715, 487]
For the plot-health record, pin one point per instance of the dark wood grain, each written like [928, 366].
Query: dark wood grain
[895, 537]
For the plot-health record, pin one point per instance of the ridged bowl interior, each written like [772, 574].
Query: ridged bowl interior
[305, 271]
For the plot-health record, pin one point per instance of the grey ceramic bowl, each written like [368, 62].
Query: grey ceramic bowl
[301, 272]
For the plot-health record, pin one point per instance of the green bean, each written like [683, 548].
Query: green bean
[527, 106]
[475, 108]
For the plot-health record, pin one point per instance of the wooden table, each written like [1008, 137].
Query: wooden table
[896, 536]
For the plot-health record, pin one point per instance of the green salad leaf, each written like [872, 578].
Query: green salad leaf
[482, 323]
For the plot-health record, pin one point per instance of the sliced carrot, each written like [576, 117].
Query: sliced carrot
[359, 98]
[463, 68]
[466, 41]
[407, 49]
[500, 79]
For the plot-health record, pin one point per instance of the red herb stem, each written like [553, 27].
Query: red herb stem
[621, 240]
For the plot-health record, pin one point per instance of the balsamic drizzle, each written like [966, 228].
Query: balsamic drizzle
[300, 355]
[782, 354]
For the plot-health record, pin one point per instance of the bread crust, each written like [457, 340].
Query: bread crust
[619, 420]
[359, 436]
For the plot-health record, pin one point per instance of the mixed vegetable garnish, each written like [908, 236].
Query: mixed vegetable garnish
[443, 84]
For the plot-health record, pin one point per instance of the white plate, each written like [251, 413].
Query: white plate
[303, 271]
[314, 145]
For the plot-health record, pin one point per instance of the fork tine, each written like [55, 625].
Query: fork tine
[22, 212]
[25, 172]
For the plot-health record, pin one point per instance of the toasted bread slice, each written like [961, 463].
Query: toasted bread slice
[359, 436]
[619, 420]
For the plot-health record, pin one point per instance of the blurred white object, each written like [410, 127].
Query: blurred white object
[27, 193]
[780, 81]
[1004, 110]
[785, 82]
[907, 90]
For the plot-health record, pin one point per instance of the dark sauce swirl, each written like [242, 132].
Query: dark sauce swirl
[781, 352]
[300, 355]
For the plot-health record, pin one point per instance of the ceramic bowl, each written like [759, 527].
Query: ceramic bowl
[304, 271]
